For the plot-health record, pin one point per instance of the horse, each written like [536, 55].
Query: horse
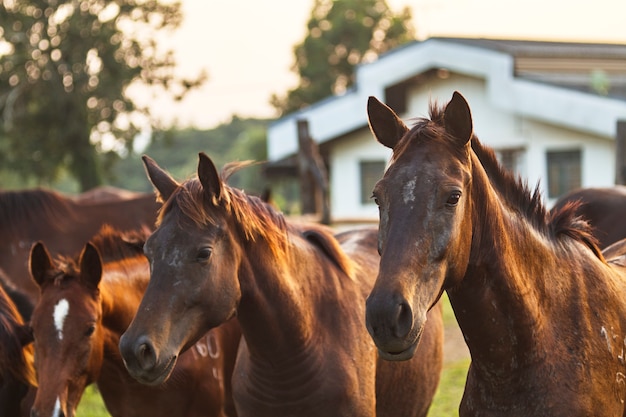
[84, 307]
[17, 373]
[298, 292]
[63, 222]
[542, 311]
[603, 207]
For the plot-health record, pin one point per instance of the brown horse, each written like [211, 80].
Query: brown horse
[84, 307]
[604, 208]
[17, 373]
[64, 223]
[542, 312]
[219, 253]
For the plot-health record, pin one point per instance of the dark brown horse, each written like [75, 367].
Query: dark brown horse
[64, 223]
[604, 208]
[17, 373]
[299, 297]
[84, 307]
[542, 312]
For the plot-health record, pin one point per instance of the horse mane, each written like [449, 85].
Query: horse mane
[16, 358]
[18, 208]
[515, 191]
[256, 219]
[115, 245]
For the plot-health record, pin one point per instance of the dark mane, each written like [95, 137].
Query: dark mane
[114, 245]
[515, 191]
[255, 218]
[18, 208]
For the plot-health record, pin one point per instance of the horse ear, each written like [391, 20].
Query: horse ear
[457, 118]
[162, 181]
[90, 266]
[208, 176]
[40, 262]
[386, 126]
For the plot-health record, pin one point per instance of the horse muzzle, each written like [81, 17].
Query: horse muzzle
[391, 324]
[144, 361]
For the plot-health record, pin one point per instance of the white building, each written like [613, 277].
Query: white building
[550, 110]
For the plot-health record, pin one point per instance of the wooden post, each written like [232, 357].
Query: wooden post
[313, 175]
[620, 153]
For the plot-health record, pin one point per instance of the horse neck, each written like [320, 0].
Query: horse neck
[503, 284]
[121, 289]
[281, 308]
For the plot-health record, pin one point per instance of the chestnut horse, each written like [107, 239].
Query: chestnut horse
[542, 312]
[63, 222]
[299, 297]
[17, 373]
[84, 307]
[604, 208]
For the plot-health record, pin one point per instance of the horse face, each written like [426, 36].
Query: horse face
[424, 240]
[67, 329]
[193, 288]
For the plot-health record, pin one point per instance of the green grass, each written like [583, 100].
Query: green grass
[450, 390]
[91, 404]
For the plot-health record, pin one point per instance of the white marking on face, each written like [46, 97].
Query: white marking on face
[57, 408]
[604, 333]
[176, 258]
[59, 315]
[408, 191]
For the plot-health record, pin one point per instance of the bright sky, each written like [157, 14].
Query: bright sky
[246, 46]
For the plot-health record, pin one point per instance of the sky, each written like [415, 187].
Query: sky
[246, 46]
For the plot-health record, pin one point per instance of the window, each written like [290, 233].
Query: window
[564, 172]
[371, 172]
[512, 159]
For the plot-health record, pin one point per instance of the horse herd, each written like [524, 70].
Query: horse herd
[206, 301]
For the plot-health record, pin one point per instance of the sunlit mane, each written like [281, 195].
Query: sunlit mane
[254, 218]
[15, 359]
[115, 245]
[512, 188]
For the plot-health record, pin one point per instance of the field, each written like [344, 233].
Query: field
[446, 403]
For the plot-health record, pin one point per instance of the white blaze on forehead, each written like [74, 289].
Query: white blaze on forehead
[60, 313]
[408, 191]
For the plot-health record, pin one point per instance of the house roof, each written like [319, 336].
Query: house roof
[576, 85]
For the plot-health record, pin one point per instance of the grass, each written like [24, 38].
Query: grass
[91, 404]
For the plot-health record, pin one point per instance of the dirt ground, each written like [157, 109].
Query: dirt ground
[454, 347]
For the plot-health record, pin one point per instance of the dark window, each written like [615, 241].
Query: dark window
[371, 172]
[511, 159]
[564, 173]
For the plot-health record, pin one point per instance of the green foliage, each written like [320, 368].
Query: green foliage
[65, 66]
[342, 34]
[177, 152]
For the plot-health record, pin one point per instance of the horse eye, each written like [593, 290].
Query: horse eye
[204, 254]
[375, 199]
[453, 199]
[90, 330]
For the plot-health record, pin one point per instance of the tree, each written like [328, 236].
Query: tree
[65, 68]
[341, 34]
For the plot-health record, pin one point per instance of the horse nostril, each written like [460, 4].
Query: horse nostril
[146, 356]
[404, 320]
